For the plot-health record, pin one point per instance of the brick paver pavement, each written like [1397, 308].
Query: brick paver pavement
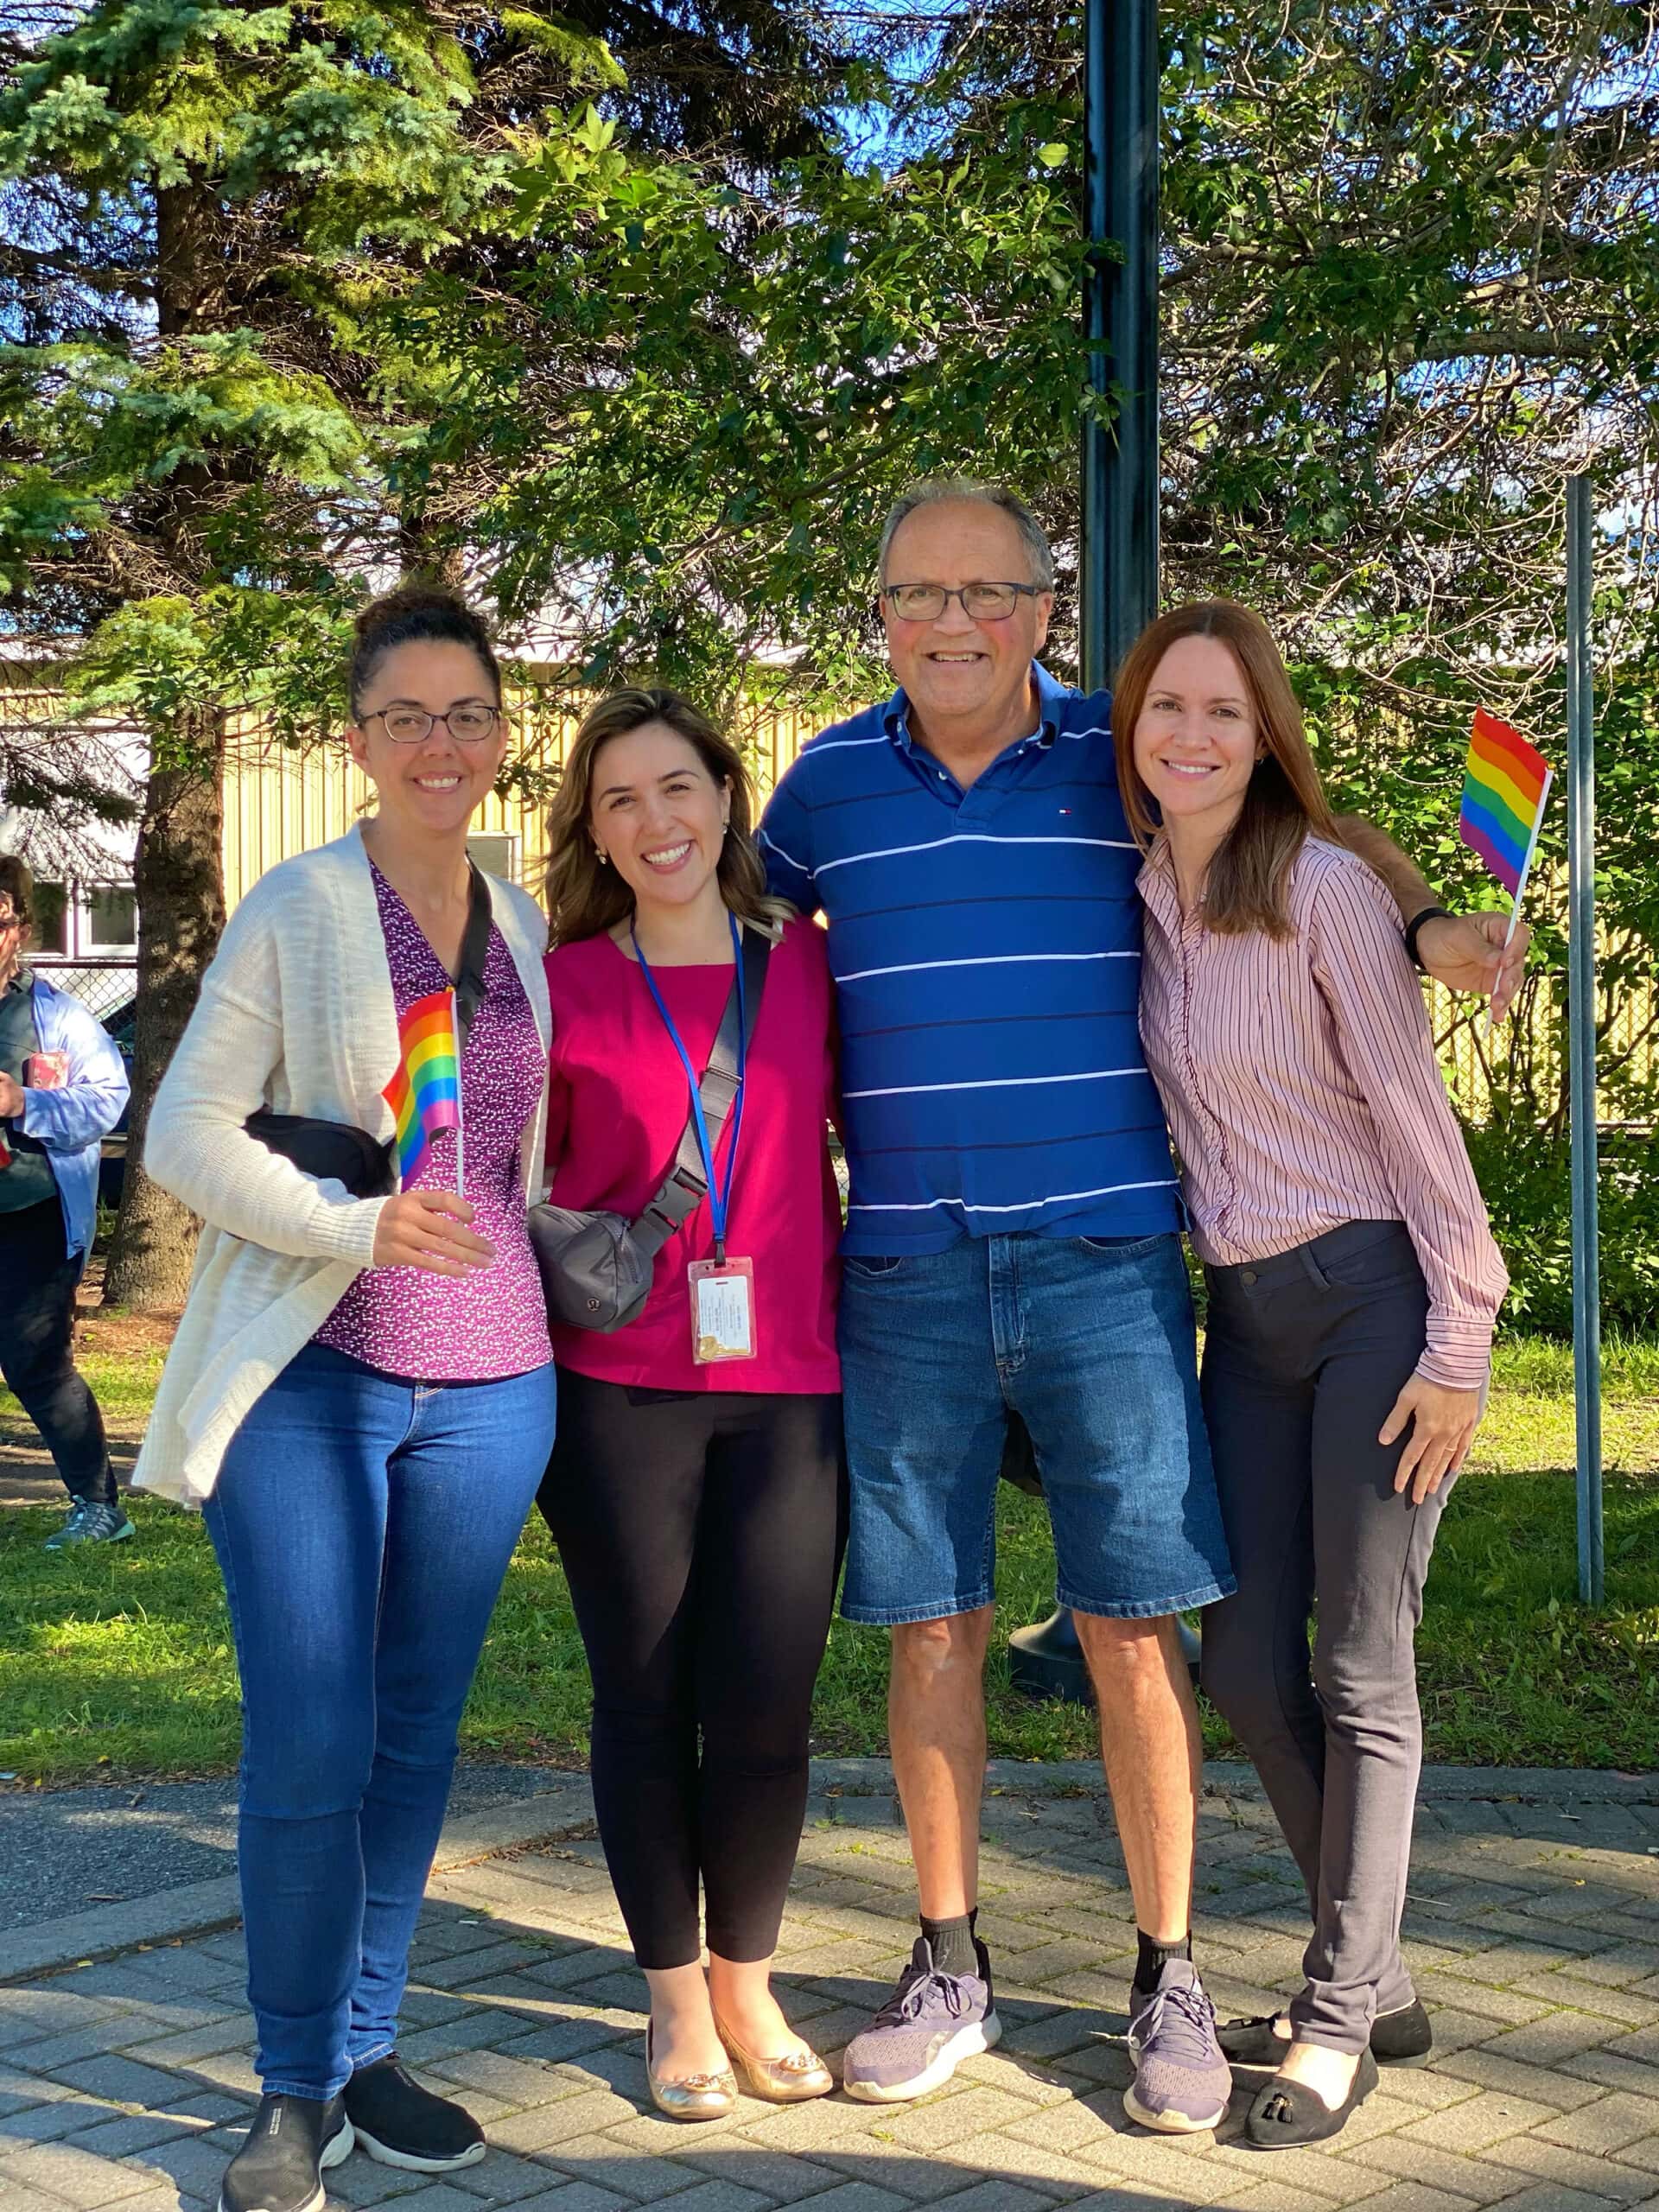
[1534, 1934]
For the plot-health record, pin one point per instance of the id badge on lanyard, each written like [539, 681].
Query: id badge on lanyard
[722, 1289]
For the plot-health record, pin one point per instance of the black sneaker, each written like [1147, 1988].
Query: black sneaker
[401, 2124]
[280, 2168]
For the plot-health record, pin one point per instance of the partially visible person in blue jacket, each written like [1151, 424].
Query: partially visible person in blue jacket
[63, 1088]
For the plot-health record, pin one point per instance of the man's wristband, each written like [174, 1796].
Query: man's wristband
[1414, 925]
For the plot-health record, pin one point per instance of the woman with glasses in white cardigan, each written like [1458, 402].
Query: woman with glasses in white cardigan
[360, 1396]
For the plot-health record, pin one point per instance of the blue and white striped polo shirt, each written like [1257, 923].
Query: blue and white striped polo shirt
[986, 948]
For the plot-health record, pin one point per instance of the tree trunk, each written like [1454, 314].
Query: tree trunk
[179, 872]
[424, 553]
[180, 880]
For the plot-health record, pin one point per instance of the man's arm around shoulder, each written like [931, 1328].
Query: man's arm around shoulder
[1466, 952]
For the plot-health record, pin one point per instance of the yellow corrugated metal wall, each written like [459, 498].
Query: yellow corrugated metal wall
[278, 802]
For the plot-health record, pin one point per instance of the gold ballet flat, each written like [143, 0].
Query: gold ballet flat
[789, 2080]
[698, 2096]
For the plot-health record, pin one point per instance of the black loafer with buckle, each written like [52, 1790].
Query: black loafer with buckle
[1402, 2038]
[1287, 2115]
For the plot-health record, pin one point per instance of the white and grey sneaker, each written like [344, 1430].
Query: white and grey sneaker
[932, 2022]
[1182, 2080]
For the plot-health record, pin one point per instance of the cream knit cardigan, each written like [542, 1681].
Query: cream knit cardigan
[297, 1014]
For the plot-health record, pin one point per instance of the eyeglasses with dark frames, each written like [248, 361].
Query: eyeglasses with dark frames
[469, 723]
[986, 602]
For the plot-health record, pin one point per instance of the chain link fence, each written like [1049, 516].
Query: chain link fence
[105, 987]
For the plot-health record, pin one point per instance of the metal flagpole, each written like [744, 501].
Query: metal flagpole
[1581, 1026]
[1118, 585]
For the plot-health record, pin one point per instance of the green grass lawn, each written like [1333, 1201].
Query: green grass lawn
[124, 1383]
[117, 1660]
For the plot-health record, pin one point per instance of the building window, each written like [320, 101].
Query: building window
[111, 918]
[51, 919]
[493, 851]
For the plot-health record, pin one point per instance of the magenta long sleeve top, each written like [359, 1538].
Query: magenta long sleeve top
[617, 1105]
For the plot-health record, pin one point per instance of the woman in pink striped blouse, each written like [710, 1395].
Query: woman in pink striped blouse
[1353, 1286]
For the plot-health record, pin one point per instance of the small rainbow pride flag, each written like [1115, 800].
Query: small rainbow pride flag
[424, 1095]
[1506, 786]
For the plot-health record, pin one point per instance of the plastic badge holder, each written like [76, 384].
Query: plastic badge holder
[722, 1310]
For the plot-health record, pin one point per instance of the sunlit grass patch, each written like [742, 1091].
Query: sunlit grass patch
[117, 1659]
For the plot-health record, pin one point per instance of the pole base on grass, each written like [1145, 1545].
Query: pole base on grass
[1045, 1660]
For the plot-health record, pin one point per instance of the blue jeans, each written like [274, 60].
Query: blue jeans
[1090, 1341]
[362, 1525]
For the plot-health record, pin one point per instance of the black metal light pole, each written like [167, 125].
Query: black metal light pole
[1120, 307]
[1119, 582]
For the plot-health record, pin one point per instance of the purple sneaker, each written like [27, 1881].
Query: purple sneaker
[1182, 2081]
[932, 2022]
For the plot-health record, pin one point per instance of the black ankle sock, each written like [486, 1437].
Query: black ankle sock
[951, 1943]
[1154, 1957]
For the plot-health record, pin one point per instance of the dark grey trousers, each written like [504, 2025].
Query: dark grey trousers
[1304, 1356]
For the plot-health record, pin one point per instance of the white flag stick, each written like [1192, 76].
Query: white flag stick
[455, 1031]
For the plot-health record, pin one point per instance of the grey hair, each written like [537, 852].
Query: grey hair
[929, 491]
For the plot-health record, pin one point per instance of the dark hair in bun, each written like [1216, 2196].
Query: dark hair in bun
[416, 614]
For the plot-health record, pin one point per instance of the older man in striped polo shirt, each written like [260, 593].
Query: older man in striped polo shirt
[1011, 1244]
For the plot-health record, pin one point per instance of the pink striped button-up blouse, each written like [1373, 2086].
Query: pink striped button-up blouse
[1299, 1079]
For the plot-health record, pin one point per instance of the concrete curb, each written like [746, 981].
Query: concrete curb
[198, 1908]
[191, 1908]
[567, 1809]
[548, 1817]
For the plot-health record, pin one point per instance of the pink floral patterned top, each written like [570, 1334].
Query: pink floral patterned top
[482, 1327]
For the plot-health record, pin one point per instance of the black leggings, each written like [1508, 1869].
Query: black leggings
[38, 1318]
[702, 1535]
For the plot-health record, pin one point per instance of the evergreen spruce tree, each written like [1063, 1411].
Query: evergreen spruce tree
[213, 216]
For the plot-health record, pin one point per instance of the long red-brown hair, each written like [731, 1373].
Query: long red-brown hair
[1245, 887]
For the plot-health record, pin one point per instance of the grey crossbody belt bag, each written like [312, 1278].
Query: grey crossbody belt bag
[597, 1268]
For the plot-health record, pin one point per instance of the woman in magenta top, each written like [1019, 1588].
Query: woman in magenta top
[697, 1504]
[1353, 1286]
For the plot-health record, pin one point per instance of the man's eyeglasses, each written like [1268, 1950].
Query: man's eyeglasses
[981, 602]
[469, 724]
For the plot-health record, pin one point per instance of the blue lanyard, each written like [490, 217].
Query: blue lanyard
[719, 1200]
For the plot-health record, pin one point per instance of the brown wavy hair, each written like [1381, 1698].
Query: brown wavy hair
[583, 897]
[1245, 887]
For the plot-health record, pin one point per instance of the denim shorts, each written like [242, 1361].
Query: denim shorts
[1090, 1341]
